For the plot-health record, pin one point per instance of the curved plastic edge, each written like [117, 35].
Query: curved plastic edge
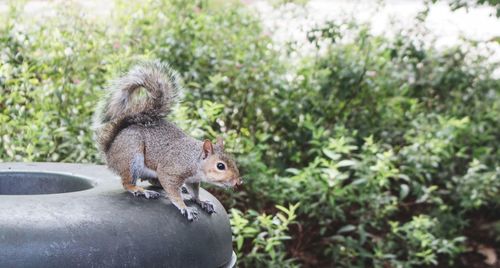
[232, 262]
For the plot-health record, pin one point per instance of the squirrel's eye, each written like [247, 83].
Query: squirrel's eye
[221, 166]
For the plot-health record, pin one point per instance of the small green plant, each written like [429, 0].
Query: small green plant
[420, 242]
[263, 236]
[478, 187]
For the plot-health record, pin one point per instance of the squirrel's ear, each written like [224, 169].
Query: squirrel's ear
[219, 144]
[208, 149]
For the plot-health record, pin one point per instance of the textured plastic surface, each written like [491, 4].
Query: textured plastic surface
[100, 225]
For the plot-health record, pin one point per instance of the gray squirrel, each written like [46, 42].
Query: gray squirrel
[138, 143]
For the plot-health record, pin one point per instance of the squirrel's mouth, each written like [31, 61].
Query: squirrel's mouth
[223, 184]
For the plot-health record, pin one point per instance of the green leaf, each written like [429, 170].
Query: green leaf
[293, 171]
[403, 192]
[331, 154]
[346, 229]
[346, 163]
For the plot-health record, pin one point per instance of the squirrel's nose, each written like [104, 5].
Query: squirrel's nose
[239, 181]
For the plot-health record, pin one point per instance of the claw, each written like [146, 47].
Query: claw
[151, 194]
[134, 193]
[148, 194]
[190, 213]
[207, 206]
[184, 190]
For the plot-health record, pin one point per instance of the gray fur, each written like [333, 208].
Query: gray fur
[120, 109]
[139, 170]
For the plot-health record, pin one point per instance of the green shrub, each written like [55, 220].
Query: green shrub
[419, 238]
[388, 144]
[266, 232]
[50, 76]
[477, 187]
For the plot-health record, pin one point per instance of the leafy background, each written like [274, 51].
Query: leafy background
[370, 152]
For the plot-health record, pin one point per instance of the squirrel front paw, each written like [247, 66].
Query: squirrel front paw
[190, 213]
[207, 206]
[151, 194]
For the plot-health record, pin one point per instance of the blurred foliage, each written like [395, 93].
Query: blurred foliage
[458, 4]
[386, 146]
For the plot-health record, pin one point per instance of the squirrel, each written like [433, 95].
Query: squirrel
[139, 143]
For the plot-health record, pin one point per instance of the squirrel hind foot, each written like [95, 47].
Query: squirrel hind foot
[139, 191]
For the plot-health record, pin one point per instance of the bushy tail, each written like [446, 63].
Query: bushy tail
[121, 109]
